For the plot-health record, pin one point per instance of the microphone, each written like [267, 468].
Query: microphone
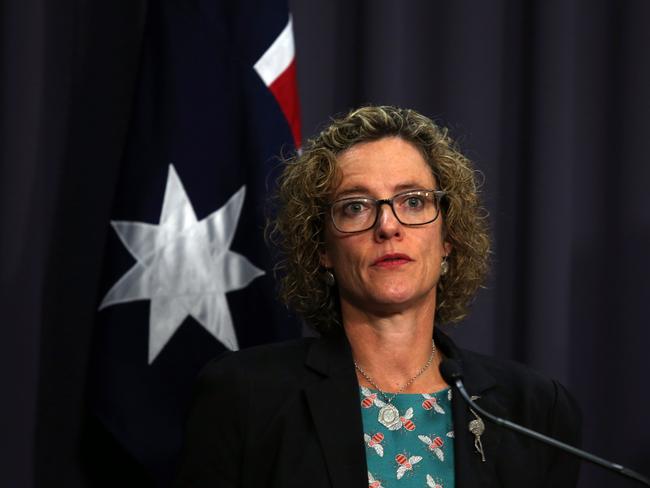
[452, 373]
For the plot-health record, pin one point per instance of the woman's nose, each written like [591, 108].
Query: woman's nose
[387, 225]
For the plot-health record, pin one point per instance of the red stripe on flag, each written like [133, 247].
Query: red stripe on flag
[285, 91]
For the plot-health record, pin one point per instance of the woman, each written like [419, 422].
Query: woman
[383, 239]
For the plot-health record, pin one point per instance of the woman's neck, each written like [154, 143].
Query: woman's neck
[392, 348]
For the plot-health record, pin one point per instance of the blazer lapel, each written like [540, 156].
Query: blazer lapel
[334, 404]
[470, 470]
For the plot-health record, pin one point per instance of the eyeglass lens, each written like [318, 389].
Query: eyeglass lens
[357, 214]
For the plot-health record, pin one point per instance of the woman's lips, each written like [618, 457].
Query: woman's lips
[392, 260]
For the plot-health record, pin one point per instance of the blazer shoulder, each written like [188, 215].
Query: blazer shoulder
[267, 362]
[526, 391]
[506, 371]
[529, 398]
[223, 408]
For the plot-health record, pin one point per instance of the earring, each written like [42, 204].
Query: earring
[329, 278]
[444, 266]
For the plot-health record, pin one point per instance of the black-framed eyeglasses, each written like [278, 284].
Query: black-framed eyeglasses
[413, 207]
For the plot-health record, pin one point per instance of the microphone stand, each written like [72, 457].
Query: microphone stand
[457, 382]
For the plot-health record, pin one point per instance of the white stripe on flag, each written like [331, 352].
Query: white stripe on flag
[277, 57]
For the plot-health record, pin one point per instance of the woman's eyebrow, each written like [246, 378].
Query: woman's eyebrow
[362, 190]
[353, 190]
[410, 185]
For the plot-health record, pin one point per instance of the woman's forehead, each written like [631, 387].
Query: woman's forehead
[386, 164]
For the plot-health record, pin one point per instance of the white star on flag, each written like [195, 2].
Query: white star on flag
[184, 266]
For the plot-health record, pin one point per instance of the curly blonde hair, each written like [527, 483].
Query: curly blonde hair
[302, 204]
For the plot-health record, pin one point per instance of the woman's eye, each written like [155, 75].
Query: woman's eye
[353, 208]
[414, 202]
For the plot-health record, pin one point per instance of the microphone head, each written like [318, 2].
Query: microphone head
[451, 371]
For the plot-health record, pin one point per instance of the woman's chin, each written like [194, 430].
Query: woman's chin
[388, 298]
[394, 300]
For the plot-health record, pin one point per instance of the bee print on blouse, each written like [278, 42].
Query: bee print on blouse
[433, 483]
[405, 464]
[434, 445]
[430, 402]
[370, 398]
[414, 446]
[372, 482]
[374, 441]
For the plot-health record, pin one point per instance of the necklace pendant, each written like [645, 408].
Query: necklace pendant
[389, 416]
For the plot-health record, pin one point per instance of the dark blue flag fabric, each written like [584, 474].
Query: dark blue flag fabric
[187, 274]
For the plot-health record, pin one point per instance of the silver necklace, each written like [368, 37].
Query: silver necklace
[388, 413]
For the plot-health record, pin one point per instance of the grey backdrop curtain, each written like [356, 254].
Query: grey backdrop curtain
[67, 75]
[549, 98]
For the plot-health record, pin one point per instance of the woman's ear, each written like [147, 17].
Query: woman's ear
[446, 245]
[325, 260]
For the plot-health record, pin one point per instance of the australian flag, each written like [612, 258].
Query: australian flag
[187, 273]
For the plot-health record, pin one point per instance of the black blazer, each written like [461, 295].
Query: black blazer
[289, 414]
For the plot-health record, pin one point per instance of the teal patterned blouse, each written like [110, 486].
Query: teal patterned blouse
[411, 446]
